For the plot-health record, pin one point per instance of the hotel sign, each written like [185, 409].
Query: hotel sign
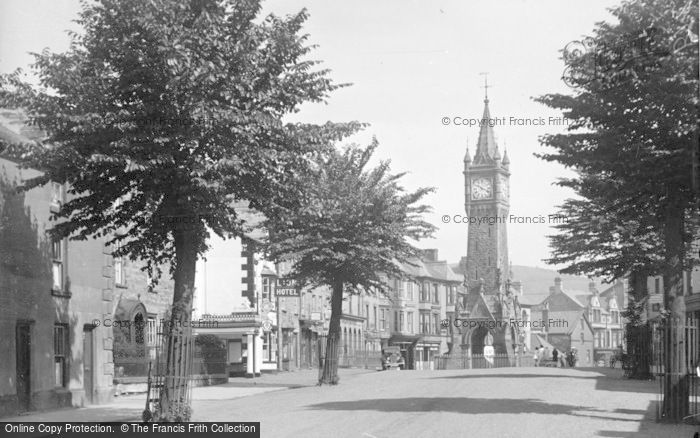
[286, 287]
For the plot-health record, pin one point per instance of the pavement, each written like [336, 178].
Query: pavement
[502, 402]
[128, 408]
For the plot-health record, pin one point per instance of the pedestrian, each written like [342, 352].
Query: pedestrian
[536, 357]
[562, 360]
[555, 357]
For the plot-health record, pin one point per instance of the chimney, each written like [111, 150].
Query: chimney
[430, 255]
[552, 290]
[557, 284]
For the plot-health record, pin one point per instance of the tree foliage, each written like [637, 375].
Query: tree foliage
[635, 114]
[165, 112]
[355, 225]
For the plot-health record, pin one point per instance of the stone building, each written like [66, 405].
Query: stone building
[60, 299]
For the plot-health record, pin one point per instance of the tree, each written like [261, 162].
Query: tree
[351, 234]
[162, 115]
[635, 124]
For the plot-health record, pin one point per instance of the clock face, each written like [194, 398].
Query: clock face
[503, 183]
[481, 188]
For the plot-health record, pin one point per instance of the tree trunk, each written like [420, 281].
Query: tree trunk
[330, 366]
[173, 398]
[676, 390]
[638, 334]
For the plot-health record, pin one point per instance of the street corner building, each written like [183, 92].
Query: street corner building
[78, 325]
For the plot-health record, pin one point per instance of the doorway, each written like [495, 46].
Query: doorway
[23, 345]
[88, 362]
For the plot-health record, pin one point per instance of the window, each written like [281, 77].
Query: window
[382, 324]
[266, 287]
[424, 323]
[56, 195]
[436, 298]
[409, 290]
[689, 282]
[436, 323]
[657, 285]
[269, 347]
[424, 292]
[60, 342]
[151, 283]
[57, 265]
[598, 339]
[583, 337]
[396, 321]
[366, 315]
[402, 322]
[374, 319]
[409, 318]
[151, 336]
[615, 317]
[119, 277]
[450, 295]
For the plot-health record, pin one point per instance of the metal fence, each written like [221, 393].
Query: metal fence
[477, 361]
[169, 388]
[674, 362]
[360, 359]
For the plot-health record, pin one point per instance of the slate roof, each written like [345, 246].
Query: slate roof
[442, 271]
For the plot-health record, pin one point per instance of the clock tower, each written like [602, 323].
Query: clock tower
[486, 179]
[489, 300]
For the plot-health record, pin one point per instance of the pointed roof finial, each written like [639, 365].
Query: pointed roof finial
[486, 145]
[486, 86]
[467, 157]
[505, 160]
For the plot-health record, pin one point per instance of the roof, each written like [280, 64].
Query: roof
[268, 271]
[442, 271]
[486, 148]
[562, 301]
[617, 291]
[568, 318]
[478, 307]
[416, 268]
[529, 300]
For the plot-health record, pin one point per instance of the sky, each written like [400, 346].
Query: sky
[411, 65]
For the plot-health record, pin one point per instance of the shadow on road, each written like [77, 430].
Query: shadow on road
[466, 405]
[605, 379]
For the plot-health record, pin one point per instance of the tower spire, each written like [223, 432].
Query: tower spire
[486, 147]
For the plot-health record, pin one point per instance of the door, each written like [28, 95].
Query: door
[23, 354]
[88, 363]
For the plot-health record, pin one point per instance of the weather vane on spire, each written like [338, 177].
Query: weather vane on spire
[486, 85]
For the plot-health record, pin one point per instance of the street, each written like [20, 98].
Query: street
[505, 402]
[502, 402]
